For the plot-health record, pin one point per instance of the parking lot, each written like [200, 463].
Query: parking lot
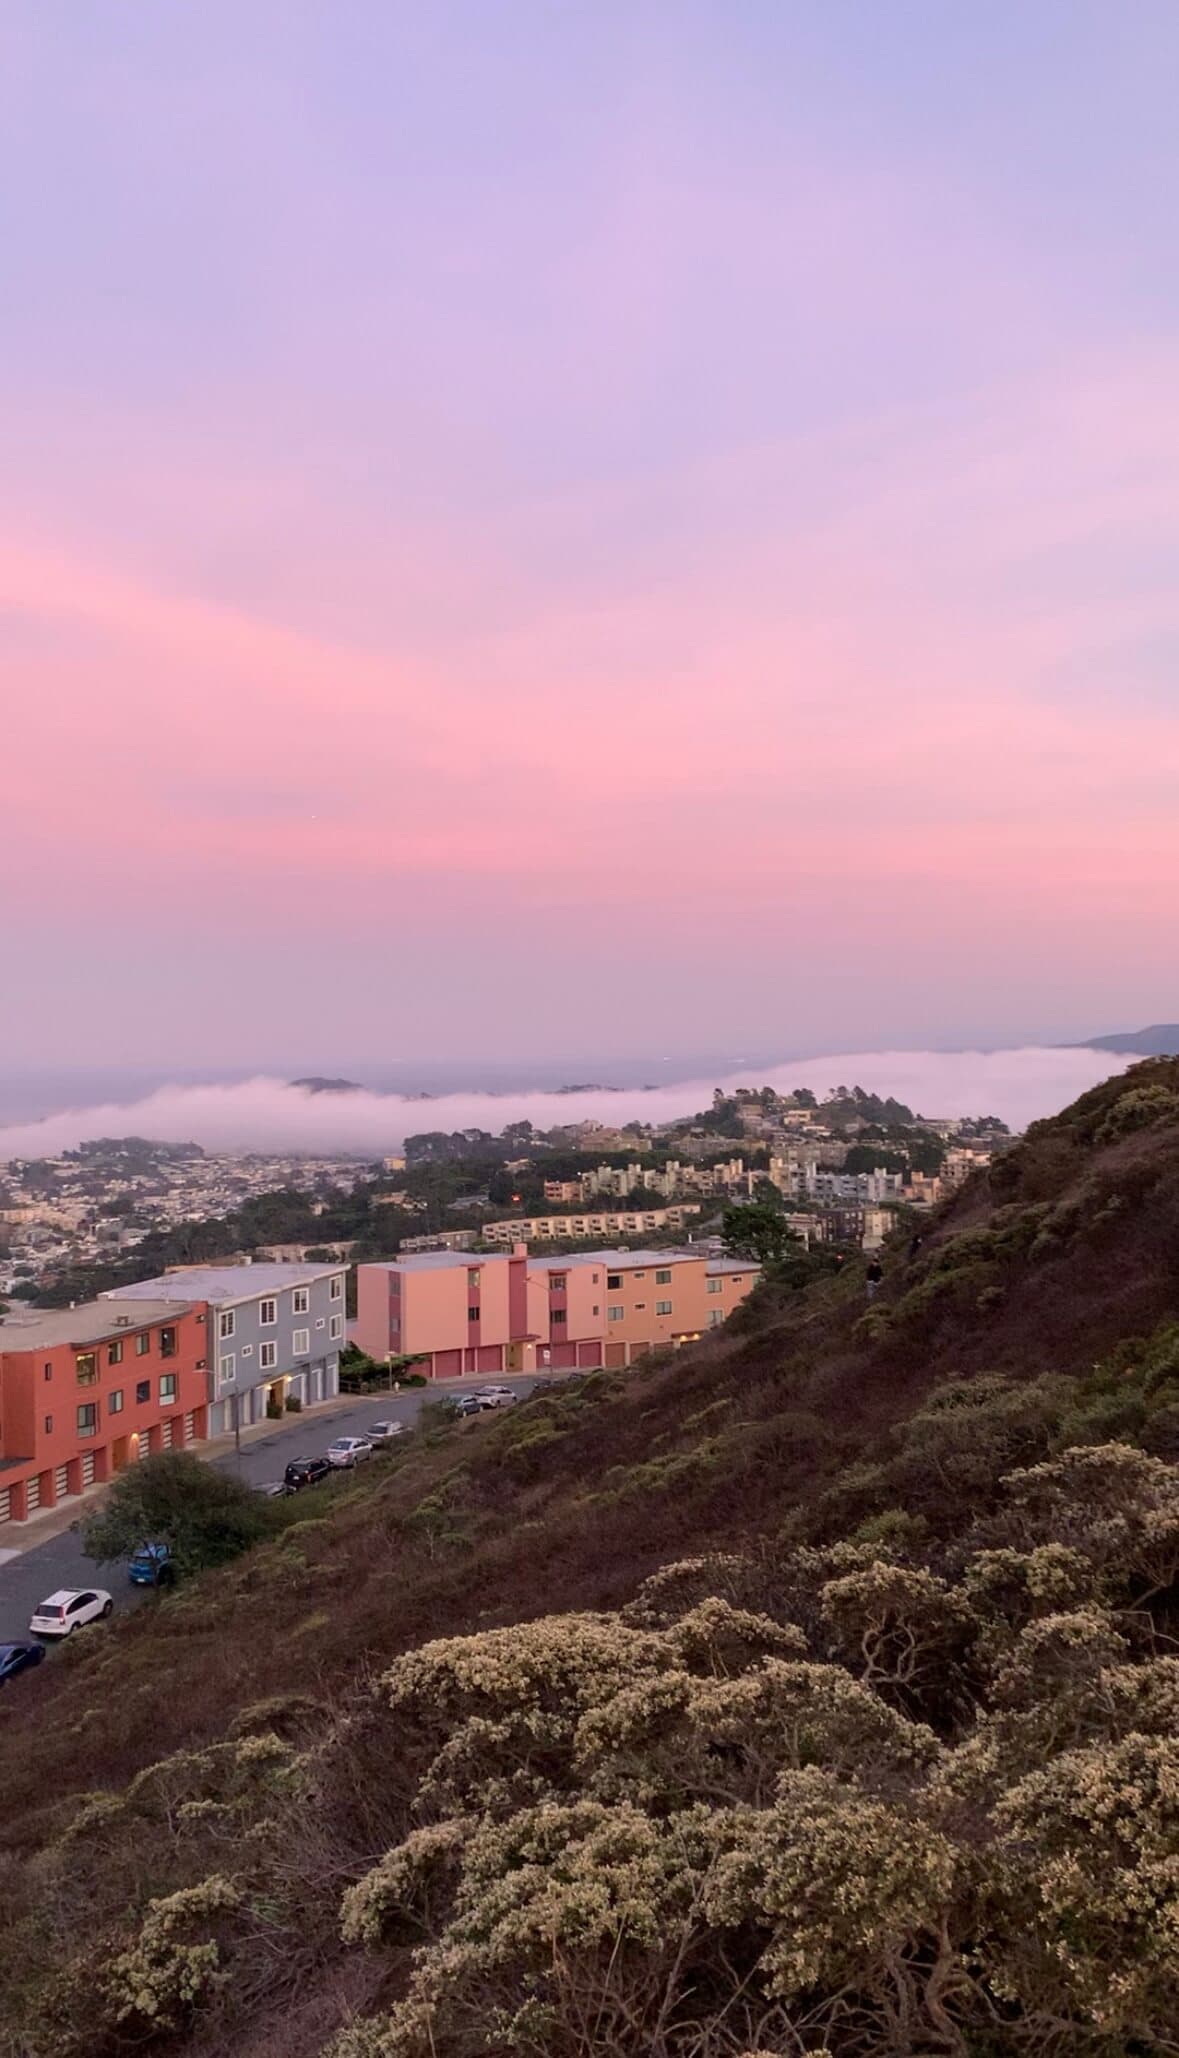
[61, 1562]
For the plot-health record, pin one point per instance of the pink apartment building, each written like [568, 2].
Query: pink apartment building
[478, 1313]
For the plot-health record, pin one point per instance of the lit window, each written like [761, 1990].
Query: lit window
[87, 1368]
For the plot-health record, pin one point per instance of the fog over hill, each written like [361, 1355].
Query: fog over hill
[273, 1114]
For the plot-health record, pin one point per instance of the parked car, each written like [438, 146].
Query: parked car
[303, 1472]
[68, 1609]
[462, 1404]
[495, 1396]
[347, 1451]
[16, 1658]
[384, 1432]
[151, 1565]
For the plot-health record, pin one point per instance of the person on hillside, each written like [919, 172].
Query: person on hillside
[875, 1276]
[915, 1246]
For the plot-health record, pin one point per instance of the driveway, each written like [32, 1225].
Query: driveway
[61, 1561]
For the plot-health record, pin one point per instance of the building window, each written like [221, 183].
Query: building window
[715, 1317]
[638, 1275]
[167, 1343]
[472, 1314]
[87, 1368]
[88, 1419]
[226, 1372]
[226, 1323]
[167, 1387]
[268, 1356]
[663, 1279]
[142, 1391]
[715, 1285]
[473, 1278]
[336, 1327]
[114, 1402]
[142, 1344]
[268, 1313]
[663, 1307]
[560, 1314]
[48, 1371]
[336, 1289]
[114, 1351]
[614, 1279]
[300, 1300]
[615, 1314]
[301, 1342]
[597, 1309]
[49, 1425]
[558, 1281]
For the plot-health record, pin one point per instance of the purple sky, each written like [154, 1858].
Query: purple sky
[633, 527]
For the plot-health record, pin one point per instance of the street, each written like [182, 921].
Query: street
[61, 1561]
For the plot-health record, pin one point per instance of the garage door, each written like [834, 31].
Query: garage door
[87, 1468]
[33, 1492]
[166, 1436]
[5, 1504]
[61, 1481]
[189, 1428]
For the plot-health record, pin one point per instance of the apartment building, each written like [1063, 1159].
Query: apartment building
[487, 1313]
[571, 1228]
[86, 1391]
[276, 1333]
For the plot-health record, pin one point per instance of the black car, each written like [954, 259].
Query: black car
[306, 1472]
[16, 1658]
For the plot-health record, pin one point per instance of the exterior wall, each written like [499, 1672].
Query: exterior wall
[239, 1377]
[639, 1292]
[47, 1455]
[725, 1290]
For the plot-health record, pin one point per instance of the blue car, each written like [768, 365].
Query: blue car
[152, 1566]
[16, 1658]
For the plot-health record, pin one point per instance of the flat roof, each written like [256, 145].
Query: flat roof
[616, 1261]
[436, 1261]
[733, 1265]
[222, 1282]
[93, 1322]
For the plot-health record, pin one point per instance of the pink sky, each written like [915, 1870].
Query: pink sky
[690, 560]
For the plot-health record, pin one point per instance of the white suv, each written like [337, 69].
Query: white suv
[495, 1396]
[68, 1609]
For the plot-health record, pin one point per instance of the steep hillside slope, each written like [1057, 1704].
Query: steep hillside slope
[597, 1824]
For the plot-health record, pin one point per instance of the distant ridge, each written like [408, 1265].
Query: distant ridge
[328, 1085]
[1161, 1040]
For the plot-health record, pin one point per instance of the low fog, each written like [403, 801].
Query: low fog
[266, 1114]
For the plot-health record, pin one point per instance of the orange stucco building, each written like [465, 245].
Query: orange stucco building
[468, 1312]
[85, 1391]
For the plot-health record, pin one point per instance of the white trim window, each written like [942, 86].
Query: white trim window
[336, 1289]
[336, 1328]
[226, 1372]
[615, 1314]
[267, 1313]
[663, 1307]
[267, 1356]
[301, 1342]
[300, 1300]
[226, 1324]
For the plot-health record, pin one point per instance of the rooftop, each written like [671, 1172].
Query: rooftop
[220, 1283]
[438, 1261]
[93, 1322]
[615, 1261]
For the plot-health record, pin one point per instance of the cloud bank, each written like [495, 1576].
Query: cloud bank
[265, 1114]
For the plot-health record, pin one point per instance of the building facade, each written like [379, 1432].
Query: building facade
[567, 1228]
[86, 1391]
[276, 1333]
[486, 1313]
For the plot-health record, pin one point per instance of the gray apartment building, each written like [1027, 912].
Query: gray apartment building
[276, 1333]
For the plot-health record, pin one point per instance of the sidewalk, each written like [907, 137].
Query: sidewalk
[18, 1537]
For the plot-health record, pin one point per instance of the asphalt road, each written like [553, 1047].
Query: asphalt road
[61, 1561]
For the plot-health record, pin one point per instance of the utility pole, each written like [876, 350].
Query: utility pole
[237, 1429]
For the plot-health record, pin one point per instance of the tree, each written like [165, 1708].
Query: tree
[204, 1516]
[758, 1230]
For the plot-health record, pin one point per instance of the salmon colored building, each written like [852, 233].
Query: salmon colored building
[465, 1313]
[86, 1391]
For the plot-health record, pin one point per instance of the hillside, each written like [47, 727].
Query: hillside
[886, 1764]
[1160, 1040]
